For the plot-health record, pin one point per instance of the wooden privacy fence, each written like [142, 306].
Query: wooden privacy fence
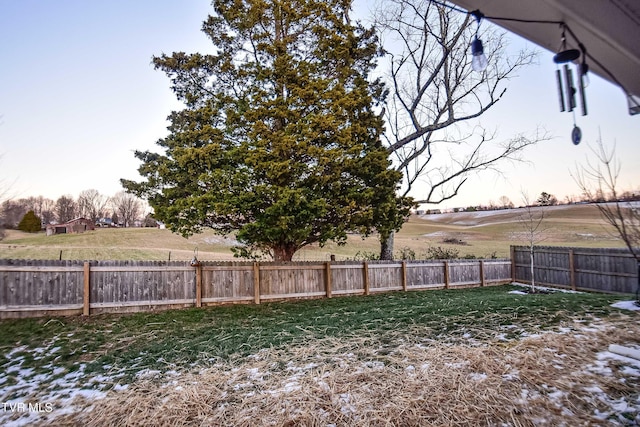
[610, 270]
[42, 287]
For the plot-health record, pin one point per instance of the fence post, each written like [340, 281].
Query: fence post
[446, 274]
[327, 278]
[365, 277]
[199, 285]
[256, 282]
[572, 270]
[482, 281]
[87, 290]
[404, 275]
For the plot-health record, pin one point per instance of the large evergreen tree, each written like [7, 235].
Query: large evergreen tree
[279, 140]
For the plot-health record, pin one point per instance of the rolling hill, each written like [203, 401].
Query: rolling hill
[481, 234]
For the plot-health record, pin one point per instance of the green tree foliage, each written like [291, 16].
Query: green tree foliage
[279, 140]
[30, 223]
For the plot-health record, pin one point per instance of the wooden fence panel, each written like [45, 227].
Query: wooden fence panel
[292, 280]
[231, 282]
[39, 287]
[497, 271]
[613, 271]
[610, 270]
[464, 273]
[384, 276]
[347, 278]
[425, 275]
[120, 284]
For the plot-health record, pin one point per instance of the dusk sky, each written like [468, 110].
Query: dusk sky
[78, 94]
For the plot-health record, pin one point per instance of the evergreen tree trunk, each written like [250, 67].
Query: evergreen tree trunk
[386, 246]
[283, 252]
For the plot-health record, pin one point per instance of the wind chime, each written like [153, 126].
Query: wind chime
[566, 88]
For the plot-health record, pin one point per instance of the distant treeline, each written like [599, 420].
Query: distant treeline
[122, 209]
[545, 199]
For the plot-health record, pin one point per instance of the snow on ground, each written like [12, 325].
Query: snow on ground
[626, 305]
[543, 288]
[28, 396]
[32, 395]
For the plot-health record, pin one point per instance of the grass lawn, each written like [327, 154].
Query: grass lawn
[198, 337]
[54, 359]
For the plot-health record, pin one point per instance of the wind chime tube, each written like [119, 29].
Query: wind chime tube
[571, 99]
[583, 98]
[560, 89]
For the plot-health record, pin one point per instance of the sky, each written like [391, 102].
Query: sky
[79, 94]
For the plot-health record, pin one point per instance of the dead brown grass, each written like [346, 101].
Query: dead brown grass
[552, 379]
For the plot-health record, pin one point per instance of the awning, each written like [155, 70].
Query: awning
[608, 29]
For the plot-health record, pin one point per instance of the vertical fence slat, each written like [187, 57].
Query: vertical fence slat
[199, 285]
[327, 278]
[87, 289]
[572, 269]
[256, 283]
[365, 275]
[446, 274]
[404, 276]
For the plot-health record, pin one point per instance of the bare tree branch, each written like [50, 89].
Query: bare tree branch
[598, 181]
[435, 91]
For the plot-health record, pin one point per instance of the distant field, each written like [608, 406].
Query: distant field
[484, 234]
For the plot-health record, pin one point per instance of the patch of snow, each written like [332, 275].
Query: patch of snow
[544, 288]
[477, 376]
[631, 372]
[457, 365]
[626, 305]
[556, 395]
[375, 365]
[518, 293]
[147, 373]
[627, 360]
[511, 376]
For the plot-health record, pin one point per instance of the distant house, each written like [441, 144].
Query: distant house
[78, 225]
[105, 222]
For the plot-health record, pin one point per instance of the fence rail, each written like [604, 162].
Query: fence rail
[44, 287]
[609, 270]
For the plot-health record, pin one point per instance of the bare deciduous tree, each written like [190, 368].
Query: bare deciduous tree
[127, 206]
[531, 222]
[505, 202]
[92, 204]
[42, 207]
[5, 197]
[435, 91]
[66, 208]
[597, 178]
